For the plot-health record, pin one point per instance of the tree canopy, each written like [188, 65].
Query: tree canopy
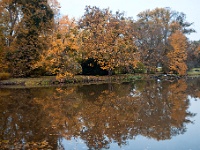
[35, 37]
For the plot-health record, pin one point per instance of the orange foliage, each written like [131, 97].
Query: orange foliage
[108, 38]
[178, 98]
[63, 53]
[92, 112]
[178, 56]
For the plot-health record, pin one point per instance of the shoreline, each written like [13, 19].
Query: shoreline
[78, 79]
[45, 81]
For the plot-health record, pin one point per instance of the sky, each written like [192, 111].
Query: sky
[75, 8]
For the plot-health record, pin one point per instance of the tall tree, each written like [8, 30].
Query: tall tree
[2, 44]
[36, 21]
[193, 53]
[10, 17]
[107, 38]
[61, 59]
[153, 29]
[178, 54]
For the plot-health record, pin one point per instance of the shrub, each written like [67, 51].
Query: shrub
[140, 68]
[4, 76]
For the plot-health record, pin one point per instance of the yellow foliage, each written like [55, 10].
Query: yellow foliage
[61, 58]
[58, 60]
[177, 56]
[105, 38]
[178, 97]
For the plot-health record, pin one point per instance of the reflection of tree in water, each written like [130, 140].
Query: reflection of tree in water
[104, 120]
[24, 124]
[156, 110]
[193, 87]
[100, 115]
[164, 110]
[91, 92]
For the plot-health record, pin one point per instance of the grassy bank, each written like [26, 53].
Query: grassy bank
[81, 79]
[194, 72]
[51, 80]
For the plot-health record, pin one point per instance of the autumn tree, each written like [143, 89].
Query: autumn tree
[193, 54]
[61, 59]
[2, 56]
[9, 17]
[153, 27]
[178, 55]
[27, 26]
[2, 47]
[107, 38]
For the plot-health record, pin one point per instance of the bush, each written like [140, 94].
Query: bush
[140, 68]
[4, 76]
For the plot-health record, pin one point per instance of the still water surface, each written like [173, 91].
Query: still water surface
[144, 115]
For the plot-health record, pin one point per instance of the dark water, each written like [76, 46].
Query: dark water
[144, 115]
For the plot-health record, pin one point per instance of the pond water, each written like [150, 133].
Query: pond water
[143, 115]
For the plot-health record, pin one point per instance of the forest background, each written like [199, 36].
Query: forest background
[35, 40]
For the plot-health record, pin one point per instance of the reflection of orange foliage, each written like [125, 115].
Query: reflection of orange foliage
[153, 112]
[27, 121]
[178, 98]
[163, 109]
[108, 114]
[111, 116]
[60, 106]
[105, 115]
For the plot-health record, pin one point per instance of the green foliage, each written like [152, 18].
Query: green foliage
[152, 71]
[140, 68]
[133, 78]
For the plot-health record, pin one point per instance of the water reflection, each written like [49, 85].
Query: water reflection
[97, 114]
